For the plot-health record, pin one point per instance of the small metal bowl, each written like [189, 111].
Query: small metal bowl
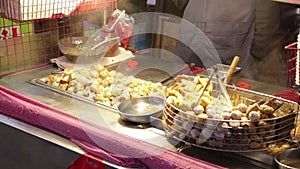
[140, 109]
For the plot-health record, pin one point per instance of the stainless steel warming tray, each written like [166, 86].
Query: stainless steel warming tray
[42, 84]
[90, 96]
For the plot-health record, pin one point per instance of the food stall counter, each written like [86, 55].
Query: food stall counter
[110, 121]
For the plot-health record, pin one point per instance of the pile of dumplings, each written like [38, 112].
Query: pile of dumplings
[102, 85]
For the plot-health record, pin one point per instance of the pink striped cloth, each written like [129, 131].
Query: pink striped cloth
[48, 118]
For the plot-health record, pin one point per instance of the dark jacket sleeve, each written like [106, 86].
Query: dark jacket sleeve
[180, 4]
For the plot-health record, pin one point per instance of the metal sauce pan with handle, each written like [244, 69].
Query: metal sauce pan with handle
[141, 109]
[288, 159]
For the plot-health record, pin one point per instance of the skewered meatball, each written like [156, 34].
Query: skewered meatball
[219, 135]
[199, 109]
[210, 112]
[236, 115]
[228, 133]
[242, 107]
[195, 133]
[226, 115]
[254, 116]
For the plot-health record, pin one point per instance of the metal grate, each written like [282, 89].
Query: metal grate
[291, 63]
[30, 29]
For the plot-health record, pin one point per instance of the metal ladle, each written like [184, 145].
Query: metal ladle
[107, 39]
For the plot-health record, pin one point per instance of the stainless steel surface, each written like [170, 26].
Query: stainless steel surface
[140, 109]
[21, 147]
[288, 159]
[223, 69]
[18, 83]
[43, 134]
[296, 2]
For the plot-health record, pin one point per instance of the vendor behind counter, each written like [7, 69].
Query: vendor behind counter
[262, 51]
[263, 58]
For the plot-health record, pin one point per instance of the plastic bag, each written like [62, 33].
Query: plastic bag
[122, 24]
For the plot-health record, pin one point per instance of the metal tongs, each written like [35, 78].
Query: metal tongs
[215, 72]
[107, 39]
[218, 113]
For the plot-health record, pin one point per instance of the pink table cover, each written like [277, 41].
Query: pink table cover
[48, 118]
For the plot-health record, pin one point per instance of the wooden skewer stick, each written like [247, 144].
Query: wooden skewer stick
[234, 63]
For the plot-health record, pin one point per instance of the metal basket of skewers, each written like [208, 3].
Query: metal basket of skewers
[252, 123]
